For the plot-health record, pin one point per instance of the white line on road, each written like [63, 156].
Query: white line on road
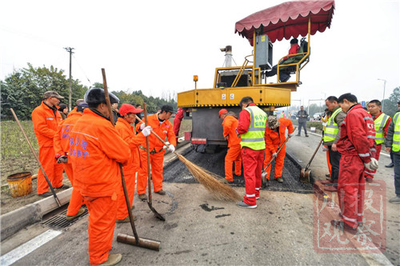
[28, 247]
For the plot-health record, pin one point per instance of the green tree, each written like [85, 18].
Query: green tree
[23, 90]
[390, 105]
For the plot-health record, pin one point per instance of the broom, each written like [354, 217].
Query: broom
[209, 180]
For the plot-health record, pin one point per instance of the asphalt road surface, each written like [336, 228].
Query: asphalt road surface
[200, 230]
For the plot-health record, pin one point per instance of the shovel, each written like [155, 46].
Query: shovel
[37, 159]
[150, 200]
[305, 173]
[124, 238]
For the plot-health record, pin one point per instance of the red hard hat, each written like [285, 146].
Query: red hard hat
[128, 108]
[222, 112]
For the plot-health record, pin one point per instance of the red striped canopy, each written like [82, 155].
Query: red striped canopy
[287, 20]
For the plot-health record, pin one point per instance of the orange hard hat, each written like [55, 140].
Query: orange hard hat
[222, 112]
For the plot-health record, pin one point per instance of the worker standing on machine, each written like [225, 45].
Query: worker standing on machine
[163, 128]
[275, 136]
[96, 150]
[251, 128]
[229, 125]
[357, 147]
[382, 122]
[125, 129]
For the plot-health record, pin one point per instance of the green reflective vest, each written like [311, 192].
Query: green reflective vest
[254, 137]
[396, 135]
[331, 128]
[380, 123]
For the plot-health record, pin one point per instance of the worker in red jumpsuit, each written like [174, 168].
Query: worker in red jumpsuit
[61, 147]
[125, 129]
[177, 122]
[229, 125]
[96, 152]
[163, 128]
[251, 128]
[45, 120]
[284, 75]
[357, 146]
[382, 122]
[275, 136]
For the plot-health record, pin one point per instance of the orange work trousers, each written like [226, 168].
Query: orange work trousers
[279, 161]
[328, 161]
[76, 201]
[234, 155]
[122, 211]
[102, 217]
[54, 170]
[156, 164]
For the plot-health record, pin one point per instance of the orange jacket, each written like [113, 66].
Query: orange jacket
[95, 151]
[273, 139]
[61, 138]
[229, 126]
[45, 124]
[126, 132]
[73, 111]
[165, 129]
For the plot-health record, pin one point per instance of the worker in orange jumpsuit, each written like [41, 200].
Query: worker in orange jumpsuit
[163, 128]
[61, 148]
[76, 107]
[177, 122]
[357, 148]
[125, 129]
[96, 152]
[45, 120]
[229, 126]
[274, 138]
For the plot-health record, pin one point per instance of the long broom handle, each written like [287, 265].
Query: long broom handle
[128, 204]
[315, 152]
[37, 159]
[148, 157]
[280, 148]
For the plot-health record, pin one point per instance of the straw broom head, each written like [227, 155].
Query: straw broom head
[210, 181]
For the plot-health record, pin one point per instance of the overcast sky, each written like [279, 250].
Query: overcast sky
[157, 46]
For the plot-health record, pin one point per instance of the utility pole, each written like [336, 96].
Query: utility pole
[384, 87]
[69, 50]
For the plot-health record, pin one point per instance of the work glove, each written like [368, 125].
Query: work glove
[146, 131]
[142, 126]
[372, 165]
[171, 148]
[274, 155]
[324, 148]
[62, 159]
[166, 145]
[291, 135]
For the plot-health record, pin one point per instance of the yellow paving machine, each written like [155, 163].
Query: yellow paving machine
[232, 83]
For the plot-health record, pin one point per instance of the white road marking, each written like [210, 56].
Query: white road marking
[28, 247]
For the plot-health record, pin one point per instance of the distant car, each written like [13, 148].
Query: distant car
[317, 116]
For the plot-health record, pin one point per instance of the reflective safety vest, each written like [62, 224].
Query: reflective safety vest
[254, 137]
[396, 135]
[380, 123]
[331, 128]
